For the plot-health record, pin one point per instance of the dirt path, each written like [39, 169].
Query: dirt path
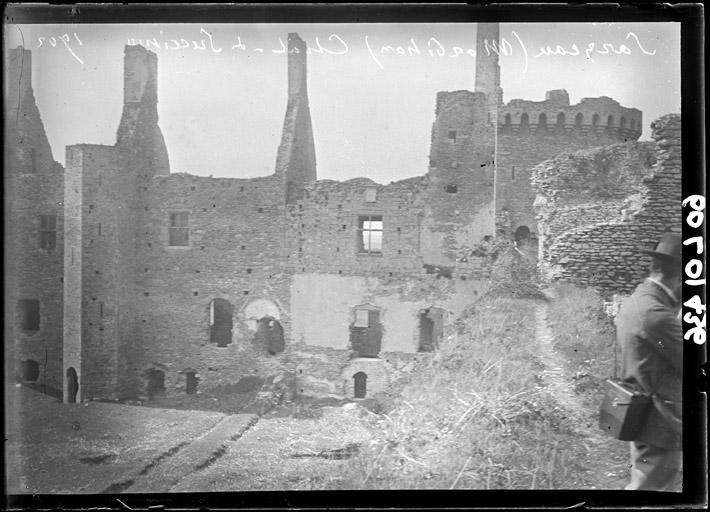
[603, 460]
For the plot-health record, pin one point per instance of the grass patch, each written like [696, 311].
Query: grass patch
[474, 416]
[585, 336]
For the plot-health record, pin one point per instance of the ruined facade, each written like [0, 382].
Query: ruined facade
[597, 208]
[162, 281]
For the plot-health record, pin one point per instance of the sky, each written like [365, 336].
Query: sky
[372, 87]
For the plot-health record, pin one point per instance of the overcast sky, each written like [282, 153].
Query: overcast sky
[221, 108]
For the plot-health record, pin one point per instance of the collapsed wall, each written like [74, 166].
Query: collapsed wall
[597, 209]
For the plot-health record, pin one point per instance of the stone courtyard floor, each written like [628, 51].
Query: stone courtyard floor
[98, 447]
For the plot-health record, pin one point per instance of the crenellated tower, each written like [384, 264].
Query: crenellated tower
[460, 210]
[532, 131]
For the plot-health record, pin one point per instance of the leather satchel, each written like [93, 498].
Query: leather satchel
[623, 410]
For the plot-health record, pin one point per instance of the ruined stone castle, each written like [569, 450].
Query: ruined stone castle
[125, 279]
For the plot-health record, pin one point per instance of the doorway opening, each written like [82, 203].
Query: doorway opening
[431, 329]
[72, 383]
[270, 334]
[360, 385]
[156, 383]
[221, 313]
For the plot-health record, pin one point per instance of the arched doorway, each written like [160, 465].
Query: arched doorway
[221, 312]
[360, 385]
[30, 370]
[522, 233]
[156, 383]
[270, 334]
[72, 384]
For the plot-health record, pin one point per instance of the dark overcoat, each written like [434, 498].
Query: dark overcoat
[650, 334]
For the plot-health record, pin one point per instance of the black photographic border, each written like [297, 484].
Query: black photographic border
[691, 17]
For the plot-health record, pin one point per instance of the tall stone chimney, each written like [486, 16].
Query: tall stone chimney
[139, 135]
[296, 158]
[297, 66]
[487, 66]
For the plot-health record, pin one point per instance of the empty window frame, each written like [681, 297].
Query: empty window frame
[179, 229]
[48, 232]
[369, 234]
[452, 135]
[28, 314]
[366, 332]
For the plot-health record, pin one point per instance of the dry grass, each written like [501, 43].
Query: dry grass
[585, 336]
[474, 417]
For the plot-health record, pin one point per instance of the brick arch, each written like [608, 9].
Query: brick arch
[579, 120]
[260, 308]
[542, 123]
[524, 127]
[560, 122]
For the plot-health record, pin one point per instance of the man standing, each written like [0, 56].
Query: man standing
[651, 337]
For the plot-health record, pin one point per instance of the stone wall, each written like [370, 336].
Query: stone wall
[459, 194]
[529, 133]
[33, 184]
[607, 254]
[235, 249]
[324, 228]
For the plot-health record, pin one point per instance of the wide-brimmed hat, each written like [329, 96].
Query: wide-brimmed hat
[669, 247]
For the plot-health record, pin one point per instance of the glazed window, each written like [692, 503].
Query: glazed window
[179, 230]
[369, 234]
[48, 232]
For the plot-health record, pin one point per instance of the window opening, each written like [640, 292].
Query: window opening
[48, 232]
[179, 230]
[370, 234]
[29, 314]
[524, 125]
[30, 370]
[452, 135]
[366, 332]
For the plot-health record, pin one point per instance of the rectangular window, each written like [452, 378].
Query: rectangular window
[452, 135]
[370, 234]
[362, 318]
[179, 230]
[512, 173]
[28, 310]
[48, 232]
